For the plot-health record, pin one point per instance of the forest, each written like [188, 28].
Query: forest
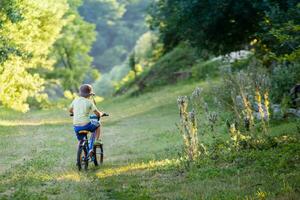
[202, 99]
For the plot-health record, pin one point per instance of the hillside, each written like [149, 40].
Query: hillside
[203, 99]
[142, 148]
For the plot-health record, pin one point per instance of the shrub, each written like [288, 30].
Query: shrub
[188, 129]
[246, 96]
[206, 69]
[179, 60]
[283, 78]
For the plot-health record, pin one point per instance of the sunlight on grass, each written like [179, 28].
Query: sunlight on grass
[136, 166]
[73, 176]
[32, 123]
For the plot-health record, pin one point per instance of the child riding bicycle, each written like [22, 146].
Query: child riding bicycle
[80, 109]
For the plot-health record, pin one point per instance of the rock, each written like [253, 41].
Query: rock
[293, 111]
[256, 107]
[276, 111]
[239, 101]
[257, 115]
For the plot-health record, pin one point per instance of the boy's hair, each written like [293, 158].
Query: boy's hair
[86, 90]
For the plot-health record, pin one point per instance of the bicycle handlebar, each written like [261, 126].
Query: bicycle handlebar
[103, 115]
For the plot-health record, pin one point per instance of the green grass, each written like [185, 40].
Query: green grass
[38, 153]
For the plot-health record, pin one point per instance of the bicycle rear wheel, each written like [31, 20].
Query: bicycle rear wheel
[82, 157]
[99, 154]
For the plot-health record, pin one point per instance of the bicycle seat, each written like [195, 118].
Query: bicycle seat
[83, 132]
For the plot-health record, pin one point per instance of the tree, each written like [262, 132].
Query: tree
[119, 23]
[28, 30]
[279, 38]
[71, 51]
[220, 26]
[132, 63]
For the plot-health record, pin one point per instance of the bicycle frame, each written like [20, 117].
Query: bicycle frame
[90, 142]
[86, 145]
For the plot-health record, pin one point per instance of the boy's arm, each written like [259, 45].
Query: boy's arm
[96, 111]
[71, 108]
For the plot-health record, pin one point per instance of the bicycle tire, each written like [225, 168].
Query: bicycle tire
[82, 158]
[99, 154]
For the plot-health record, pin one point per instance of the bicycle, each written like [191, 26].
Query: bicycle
[86, 144]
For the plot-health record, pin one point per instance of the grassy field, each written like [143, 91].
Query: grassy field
[38, 152]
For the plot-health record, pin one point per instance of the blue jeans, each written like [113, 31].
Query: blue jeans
[91, 127]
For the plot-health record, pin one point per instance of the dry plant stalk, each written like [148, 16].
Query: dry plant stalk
[188, 129]
[267, 105]
[247, 109]
[264, 112]
[236, 136]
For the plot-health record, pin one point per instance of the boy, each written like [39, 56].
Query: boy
[80, 108]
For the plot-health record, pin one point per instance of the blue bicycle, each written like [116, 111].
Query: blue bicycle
[84, 153]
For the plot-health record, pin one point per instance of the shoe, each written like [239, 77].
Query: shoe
[98, 142]
[91, 153]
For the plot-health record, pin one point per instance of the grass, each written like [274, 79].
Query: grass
[38, 152]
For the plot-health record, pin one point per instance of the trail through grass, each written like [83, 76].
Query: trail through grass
[38, 153]
[38, 149]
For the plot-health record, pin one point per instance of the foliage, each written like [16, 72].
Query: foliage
[279, 38]
[129, 78]
[73, 64]
[105, 85]
[132, 62]
[204, 69]
[244, 95]
[118, 24]
[25, 47]
[147, 49]
[169, 68]
[207, 118]
[224, 26]
[146, 52]
[188, 129]
[283, 78]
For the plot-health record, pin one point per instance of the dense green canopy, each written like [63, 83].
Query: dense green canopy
[223, 26]
[71, 51]
[28, 30]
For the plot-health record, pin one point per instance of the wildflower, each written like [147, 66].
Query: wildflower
[267, 105]
[259, 104]
[197, 93]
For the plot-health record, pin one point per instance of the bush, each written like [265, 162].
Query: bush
[206, 69]
[169, 68]
[283, 78]
[181, 59]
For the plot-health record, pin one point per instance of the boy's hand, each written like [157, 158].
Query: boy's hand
[98, 113]
[71, 112]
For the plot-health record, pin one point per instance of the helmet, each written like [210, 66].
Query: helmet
[86, 90]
